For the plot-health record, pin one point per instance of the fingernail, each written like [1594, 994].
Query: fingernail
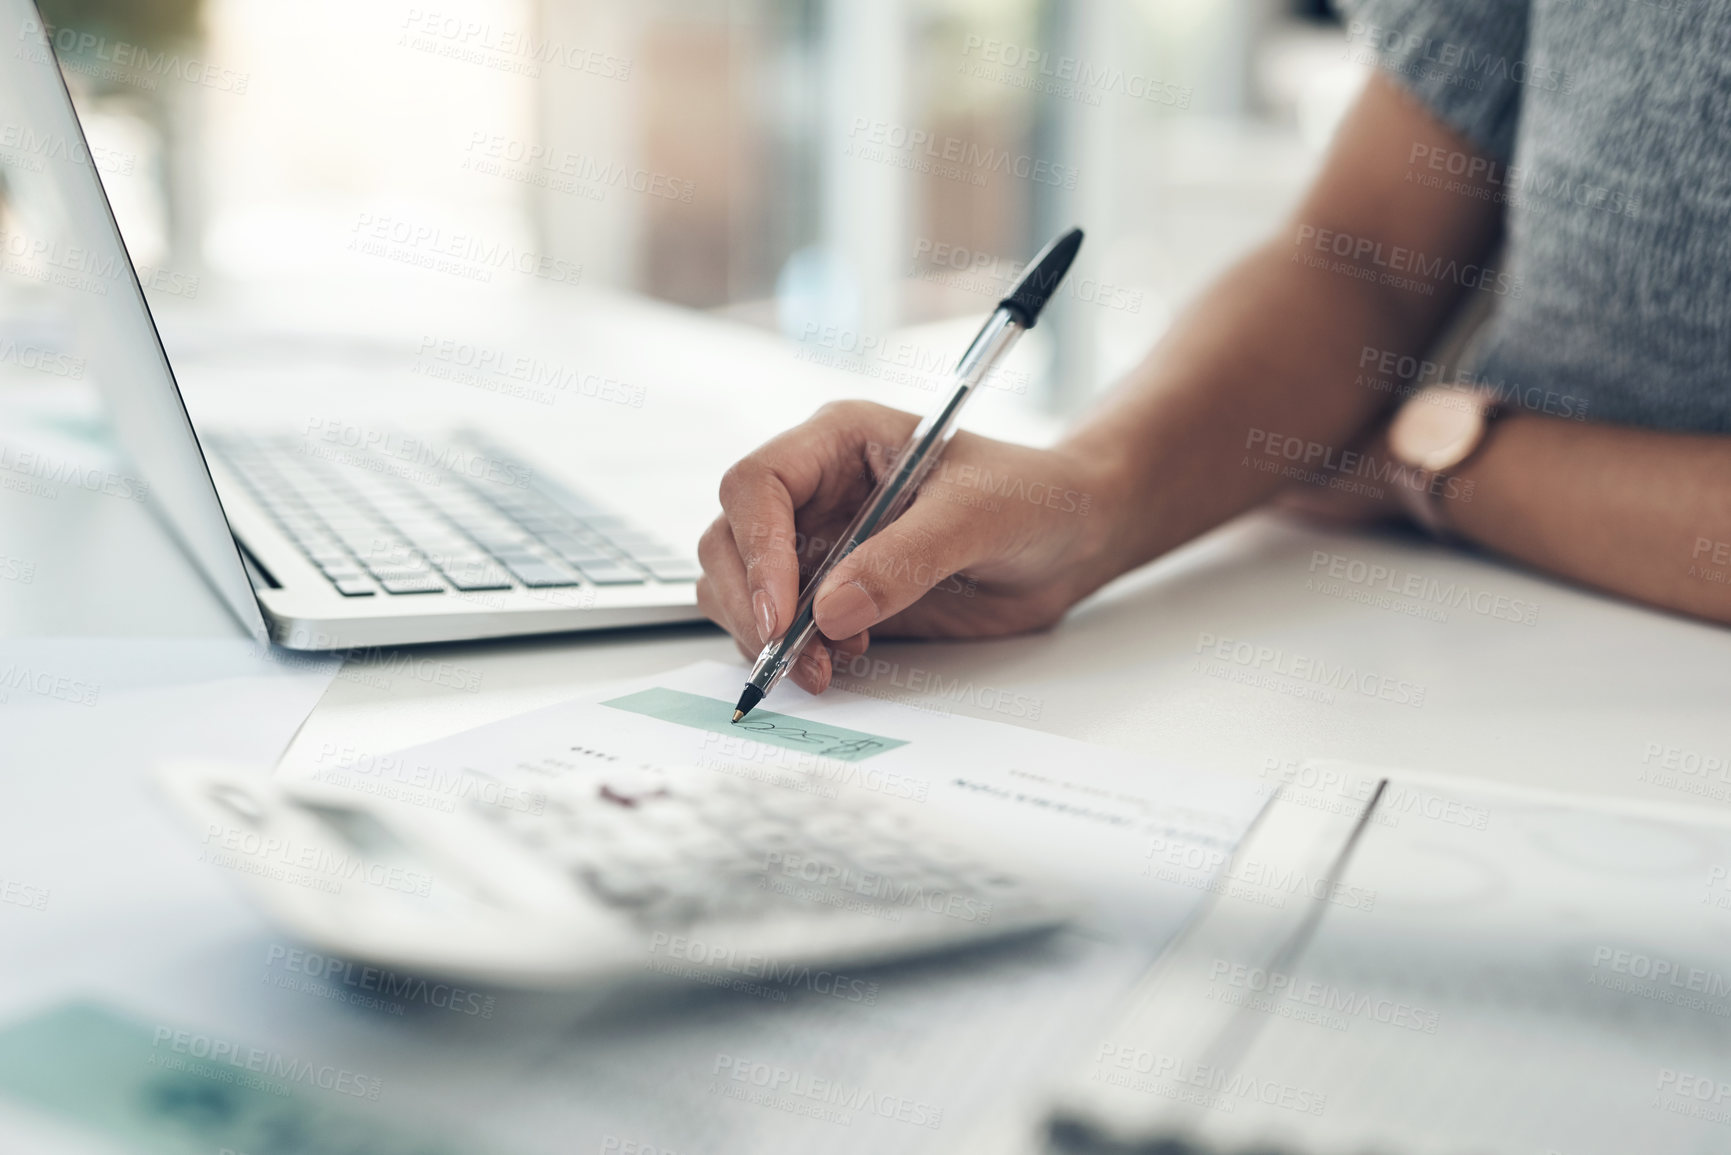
[811, 667]
[764, 608]
[846, 610]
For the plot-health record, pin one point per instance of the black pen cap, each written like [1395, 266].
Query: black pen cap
[1041, 279]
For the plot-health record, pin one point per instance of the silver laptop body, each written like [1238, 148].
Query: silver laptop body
[319, 541]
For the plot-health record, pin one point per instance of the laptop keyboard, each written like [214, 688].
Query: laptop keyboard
[373, 531]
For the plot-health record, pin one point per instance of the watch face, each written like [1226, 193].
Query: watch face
[1437, 429]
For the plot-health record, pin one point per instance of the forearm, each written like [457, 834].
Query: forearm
[1636, 512]
[1270, 351]
[1273, 351]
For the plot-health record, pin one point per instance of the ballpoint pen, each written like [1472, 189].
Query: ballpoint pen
[1015, 315]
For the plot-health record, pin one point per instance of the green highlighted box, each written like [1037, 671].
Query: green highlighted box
[766, 726]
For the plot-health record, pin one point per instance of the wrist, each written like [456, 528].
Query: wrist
[1435, 436]
[1108, 482]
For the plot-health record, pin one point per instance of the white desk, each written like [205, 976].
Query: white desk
[1576, 701]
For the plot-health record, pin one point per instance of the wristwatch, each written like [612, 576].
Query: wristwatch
[1432, 435]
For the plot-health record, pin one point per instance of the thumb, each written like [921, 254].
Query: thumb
[915, 554]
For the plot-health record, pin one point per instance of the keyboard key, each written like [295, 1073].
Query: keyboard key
[640, 545]
[672, 569]
[612, 574]
[541, 574]
[994, 881]
[500, 544]
[481, 577]
[622, 886]
[580, 555]
[382, 555]
[723, 811]
[399, 574]
[767, 837]
[458, 558]
[465, 555]
[355, 587]
[412, 585]
[889, 860]
[679, 907]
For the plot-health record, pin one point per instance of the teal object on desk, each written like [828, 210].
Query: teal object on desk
[161, 1091]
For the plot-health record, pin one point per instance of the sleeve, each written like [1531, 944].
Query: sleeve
[1463, 59]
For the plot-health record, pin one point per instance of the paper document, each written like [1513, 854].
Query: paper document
[1092, 811]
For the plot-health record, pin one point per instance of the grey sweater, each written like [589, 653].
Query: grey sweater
[1608, 125]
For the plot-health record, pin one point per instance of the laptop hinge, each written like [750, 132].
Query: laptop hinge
[256, 573]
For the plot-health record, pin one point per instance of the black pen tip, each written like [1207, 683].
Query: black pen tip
[747, 700]
[1041, 279]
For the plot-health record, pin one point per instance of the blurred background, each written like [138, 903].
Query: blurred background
[846, 172]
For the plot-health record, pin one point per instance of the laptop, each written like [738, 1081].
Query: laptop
[330, 537]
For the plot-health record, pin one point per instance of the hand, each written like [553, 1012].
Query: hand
[1000, 539]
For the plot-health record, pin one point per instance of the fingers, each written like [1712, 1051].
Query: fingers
[920, 551]
[721, 591]
[816, 667]
[721, 595]
[751, 555]
[760, 494]
[758, 500]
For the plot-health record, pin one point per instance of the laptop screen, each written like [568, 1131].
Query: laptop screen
[58, 230]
